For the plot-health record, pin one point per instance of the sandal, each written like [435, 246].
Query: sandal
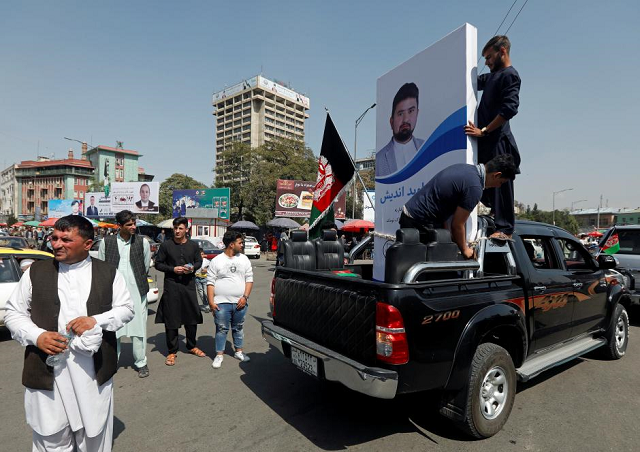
[196, 351]
[171, 359]
[499, 235]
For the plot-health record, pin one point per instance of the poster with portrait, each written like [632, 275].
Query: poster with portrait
[58, 208]
[186, 203]
[97, 205]
[422, 107]
[138, 197]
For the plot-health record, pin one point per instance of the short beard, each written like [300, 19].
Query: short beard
[403, 136]
[499, 64]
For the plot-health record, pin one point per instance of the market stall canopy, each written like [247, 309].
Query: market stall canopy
[140, 222]
[32, 223]
[285, 223]
[166, 224]
[15, 225]
[244, 225]
[356, 225]
[48, 223]
[102, 224]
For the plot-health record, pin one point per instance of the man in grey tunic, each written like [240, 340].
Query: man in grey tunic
[130, 254]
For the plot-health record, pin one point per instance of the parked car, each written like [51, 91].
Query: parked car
[210, 248]
[251, 247]
[13, 242]
[10, 273]
[628, 256]
[469, 329]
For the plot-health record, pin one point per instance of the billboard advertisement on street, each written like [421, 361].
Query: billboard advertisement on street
[138, 197]
[294, 198]
[422, 107]
[189, 203]
[97, 205]
[368, 212]
[58, 208]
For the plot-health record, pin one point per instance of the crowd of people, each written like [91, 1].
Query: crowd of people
[77, 310]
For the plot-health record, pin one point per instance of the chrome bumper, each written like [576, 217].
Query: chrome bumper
[372, 381]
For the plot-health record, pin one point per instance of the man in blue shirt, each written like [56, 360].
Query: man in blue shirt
[450, 196]
[500, 102]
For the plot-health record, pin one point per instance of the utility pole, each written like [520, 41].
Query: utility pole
[355, 150]
[599, 207]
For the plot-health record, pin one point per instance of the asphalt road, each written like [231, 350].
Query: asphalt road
[268, 405]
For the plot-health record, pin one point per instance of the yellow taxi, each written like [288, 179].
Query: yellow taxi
[13, 263]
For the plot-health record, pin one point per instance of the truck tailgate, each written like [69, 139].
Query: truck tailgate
[335, 317]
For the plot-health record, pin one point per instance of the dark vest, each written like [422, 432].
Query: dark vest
[45, 308]
[136, 259]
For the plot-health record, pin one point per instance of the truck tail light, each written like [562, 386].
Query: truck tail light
[272, 297]
[391, 340]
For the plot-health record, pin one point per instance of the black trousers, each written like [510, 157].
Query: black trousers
[172, 337]
[501, 199]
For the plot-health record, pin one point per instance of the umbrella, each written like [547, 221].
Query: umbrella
[166, 224]
[15, 225]
[140, 222]
[32, 223]
[49, 222]
[244, 225]
[102, 224]
[595, 234]
[285, 223]
[356, 225]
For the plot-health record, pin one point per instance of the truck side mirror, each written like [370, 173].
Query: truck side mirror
[606, 261]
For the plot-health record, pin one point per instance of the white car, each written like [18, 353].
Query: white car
[251, 247]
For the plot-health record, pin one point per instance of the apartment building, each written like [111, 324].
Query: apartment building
[8, 191]
[255, 111]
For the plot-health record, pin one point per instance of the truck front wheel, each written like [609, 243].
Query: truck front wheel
[492, 391]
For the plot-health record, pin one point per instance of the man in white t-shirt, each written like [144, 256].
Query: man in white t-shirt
[229, 283]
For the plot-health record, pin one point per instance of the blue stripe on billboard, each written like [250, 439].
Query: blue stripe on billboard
[448, 136]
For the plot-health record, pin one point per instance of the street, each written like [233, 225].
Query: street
[266, 404]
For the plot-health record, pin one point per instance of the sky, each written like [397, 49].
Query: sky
[143, 73]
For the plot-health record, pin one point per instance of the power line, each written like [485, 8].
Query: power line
[514, 19]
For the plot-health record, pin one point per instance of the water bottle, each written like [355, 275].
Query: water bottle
[56, 360]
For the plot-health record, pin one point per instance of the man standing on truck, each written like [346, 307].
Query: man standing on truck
[500, 101]
[450, 196]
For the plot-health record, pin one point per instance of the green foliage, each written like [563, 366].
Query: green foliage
[11, 219]
[563, 219]
[253, 194]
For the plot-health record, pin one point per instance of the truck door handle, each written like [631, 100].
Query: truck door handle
[577, 285]
[540, 288]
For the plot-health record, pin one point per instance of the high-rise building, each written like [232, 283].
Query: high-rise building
[255, 111]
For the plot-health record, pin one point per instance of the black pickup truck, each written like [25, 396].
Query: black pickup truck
[469, 329]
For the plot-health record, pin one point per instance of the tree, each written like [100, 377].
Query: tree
[176, 181]
[255, 172]
[563, 219]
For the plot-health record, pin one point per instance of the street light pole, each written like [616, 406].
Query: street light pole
[355, 153]
[553, 215]
[576, 202]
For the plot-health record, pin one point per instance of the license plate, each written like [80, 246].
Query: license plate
[304, 361]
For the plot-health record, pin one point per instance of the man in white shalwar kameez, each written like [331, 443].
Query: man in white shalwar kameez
[131, 255]
[70, 406]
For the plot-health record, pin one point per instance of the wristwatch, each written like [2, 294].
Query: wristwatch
[484, 131]
[246, 297]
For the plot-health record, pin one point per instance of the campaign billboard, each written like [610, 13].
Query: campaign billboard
[58, 208]
[138, 197]
[294, 198]
[97, 205]
[422, 107]
[196, 203]
[368, 211]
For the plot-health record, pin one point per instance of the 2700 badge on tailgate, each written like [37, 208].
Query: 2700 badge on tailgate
[304, 361]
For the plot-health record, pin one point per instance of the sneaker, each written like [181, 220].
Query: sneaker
[217, 362]
[143, 371]
[242, 357]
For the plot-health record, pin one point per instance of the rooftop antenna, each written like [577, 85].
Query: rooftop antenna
[119, 144]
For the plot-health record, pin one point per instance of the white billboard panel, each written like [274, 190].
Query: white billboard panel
[423, 133]
[138, 197]
[368, 212]
[97, 205]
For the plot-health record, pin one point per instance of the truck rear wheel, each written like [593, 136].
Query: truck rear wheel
[617, 334]
[492, 391]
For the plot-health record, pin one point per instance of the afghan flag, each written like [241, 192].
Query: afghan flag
[612, 245]
[335, 171]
